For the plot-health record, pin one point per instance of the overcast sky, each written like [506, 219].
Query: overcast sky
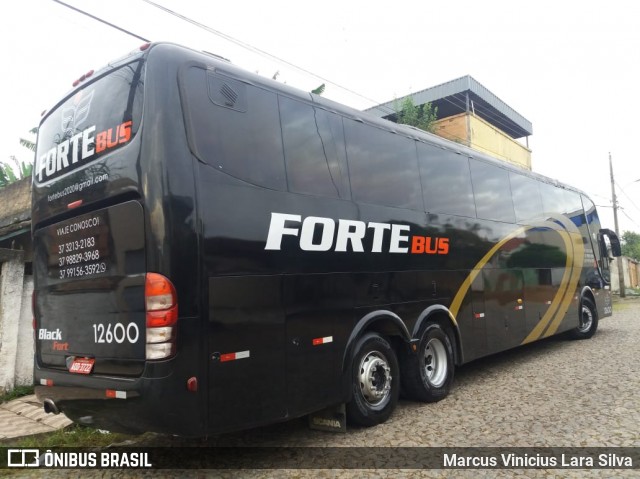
[571, 68]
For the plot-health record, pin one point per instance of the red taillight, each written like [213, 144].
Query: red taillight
[158, 319]
[161, 302]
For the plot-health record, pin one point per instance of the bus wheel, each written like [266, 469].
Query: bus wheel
[375, 381]
[427, 376]
[588, 321]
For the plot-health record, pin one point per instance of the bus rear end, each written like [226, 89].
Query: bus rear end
[107, 319]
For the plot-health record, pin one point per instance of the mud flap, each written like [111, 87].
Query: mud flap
[332, 419]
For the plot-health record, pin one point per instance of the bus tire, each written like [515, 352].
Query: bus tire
[427, 376]
[588, 321]
[375, 381]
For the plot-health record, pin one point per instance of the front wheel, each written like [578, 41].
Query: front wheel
[375, 381]
[428, 375]
[588, 324]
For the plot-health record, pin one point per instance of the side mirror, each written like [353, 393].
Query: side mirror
[616, 249]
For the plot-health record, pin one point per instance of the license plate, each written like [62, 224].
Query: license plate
[82, 365]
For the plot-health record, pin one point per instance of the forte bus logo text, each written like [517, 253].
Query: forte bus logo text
[81, 147]
[317, 233]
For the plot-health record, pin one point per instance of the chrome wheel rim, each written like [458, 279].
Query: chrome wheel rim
[375, 378]
[586, 320]
[435, 362]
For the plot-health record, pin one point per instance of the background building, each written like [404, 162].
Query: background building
[470, 114]
[16, 285]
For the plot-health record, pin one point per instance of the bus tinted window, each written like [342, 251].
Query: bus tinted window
[492, 192]
[382, 166]
[99, 119]
[313, 149]
[235, 127]
[446, 181]
[573, 206]
[594, 226]
[553, 200]
[526, 197]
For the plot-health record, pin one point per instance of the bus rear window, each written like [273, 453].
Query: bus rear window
[98, 119]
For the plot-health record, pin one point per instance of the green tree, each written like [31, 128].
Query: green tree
[6, 174]
[319, 90]
[29, 144]
[9, 174]
[631, 245]
[421, 116]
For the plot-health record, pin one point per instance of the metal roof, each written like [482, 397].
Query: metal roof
[451, 99]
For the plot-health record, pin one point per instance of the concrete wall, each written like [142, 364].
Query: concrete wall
[26, 350]
[16, 331]
[473, 131]
[631, 270]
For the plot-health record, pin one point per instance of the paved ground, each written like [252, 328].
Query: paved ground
[553, 393]
[25, 416]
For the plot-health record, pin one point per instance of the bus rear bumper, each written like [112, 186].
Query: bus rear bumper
[131, 406]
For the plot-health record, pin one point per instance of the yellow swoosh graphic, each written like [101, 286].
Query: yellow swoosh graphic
[573, 266]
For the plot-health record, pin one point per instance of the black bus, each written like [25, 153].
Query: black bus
[216, 251]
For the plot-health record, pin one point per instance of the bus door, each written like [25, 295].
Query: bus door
[539, 291]
[476, 345]
[314, 304]
[247, 382]
[504, 302]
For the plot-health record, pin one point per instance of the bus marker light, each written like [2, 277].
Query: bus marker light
[74, 204]
[46, 382]
[113, 394]
[478, 315]
[192, 384]
[233, 356]
[325, 340]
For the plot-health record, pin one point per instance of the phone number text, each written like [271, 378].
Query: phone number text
[84, 270]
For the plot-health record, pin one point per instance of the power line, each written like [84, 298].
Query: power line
[102, 21]
[261, 52]
[625, 194]
[257, 50]
[628, 217]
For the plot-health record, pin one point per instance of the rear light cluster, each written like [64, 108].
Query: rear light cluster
[162, 315]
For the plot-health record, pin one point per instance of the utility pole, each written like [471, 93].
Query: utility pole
[615, 223]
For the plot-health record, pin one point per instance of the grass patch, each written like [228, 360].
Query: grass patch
[17, 392]
[75, 436]
[621, 304]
